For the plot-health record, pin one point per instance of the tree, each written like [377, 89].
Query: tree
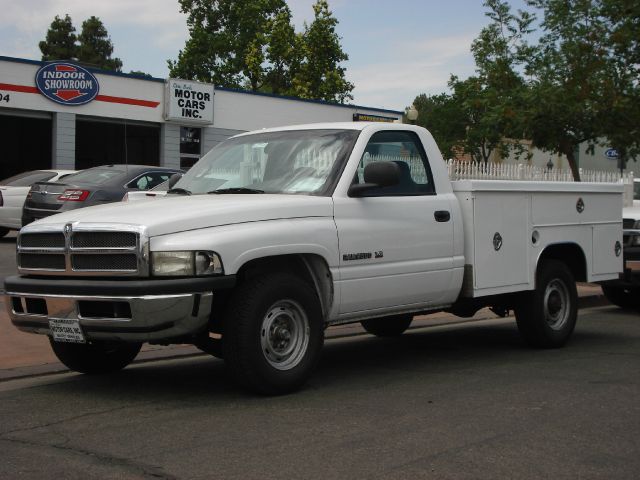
[321, 75]
[284, 54]
[95, 47]
[493, 97]
[444, 117]
[60, 42]
[227, 43]
[585, 77]
[254, 45]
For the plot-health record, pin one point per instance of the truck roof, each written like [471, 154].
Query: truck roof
[335, 126]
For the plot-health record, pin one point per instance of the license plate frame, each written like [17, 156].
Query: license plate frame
[66, 330]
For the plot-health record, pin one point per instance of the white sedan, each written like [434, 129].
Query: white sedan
[13, 192]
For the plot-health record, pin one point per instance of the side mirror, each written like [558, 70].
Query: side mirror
[376, 175]
[173, 179]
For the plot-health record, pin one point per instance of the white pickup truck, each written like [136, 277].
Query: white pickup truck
[277, 234]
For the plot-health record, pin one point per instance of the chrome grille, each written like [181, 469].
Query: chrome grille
[42, 240]
[127, 262]
[42, 261]
[104, 240]
[83, 250]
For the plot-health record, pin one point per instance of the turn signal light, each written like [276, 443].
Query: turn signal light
[74, 195]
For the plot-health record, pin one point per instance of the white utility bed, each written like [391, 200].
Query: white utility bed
[508, 224]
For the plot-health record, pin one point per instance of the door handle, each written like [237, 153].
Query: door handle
[442, 215]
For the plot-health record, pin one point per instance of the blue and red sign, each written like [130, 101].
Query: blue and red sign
[66, 83]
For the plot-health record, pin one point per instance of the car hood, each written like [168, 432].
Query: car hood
[180, 213]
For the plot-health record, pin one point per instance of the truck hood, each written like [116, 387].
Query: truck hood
[180, 213]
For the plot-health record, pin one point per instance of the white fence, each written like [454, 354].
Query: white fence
[498, 171]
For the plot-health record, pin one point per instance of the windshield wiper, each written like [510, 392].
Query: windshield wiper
[235, 190]
[182, 191]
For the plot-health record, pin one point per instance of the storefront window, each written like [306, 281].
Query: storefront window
[190, 146]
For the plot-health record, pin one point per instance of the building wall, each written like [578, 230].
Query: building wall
[123, 98]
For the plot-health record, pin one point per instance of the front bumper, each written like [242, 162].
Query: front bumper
[130, 311]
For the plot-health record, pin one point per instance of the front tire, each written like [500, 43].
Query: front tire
[391, 326]
[96, 357]
[273, 333]
[547, 315]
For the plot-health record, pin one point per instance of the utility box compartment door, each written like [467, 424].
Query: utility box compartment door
[604, 248]
[501, 239]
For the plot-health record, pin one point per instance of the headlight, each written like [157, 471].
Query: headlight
[185, 263]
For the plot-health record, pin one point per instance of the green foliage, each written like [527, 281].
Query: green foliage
[444, 117]
[95, 47]
[254, 45]
[228, 41]
[584, 84]
[60, 42]
[321, 76]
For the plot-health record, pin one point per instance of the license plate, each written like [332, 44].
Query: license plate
[66, 330]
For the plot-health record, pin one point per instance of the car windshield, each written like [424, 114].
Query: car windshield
[290, 162]
[27, 178]
[96, 176]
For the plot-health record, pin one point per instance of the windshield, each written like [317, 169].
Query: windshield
[27, 178]
[291, 162]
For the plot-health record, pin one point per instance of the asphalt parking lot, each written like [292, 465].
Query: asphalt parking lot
[458, 401]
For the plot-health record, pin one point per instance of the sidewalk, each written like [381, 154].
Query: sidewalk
[23, 354]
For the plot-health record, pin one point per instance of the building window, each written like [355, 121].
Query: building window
[190, 146]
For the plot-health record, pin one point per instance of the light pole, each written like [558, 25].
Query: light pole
[412, 114]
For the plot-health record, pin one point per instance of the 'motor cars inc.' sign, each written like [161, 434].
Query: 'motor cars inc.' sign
[188, 102]
[66, 83]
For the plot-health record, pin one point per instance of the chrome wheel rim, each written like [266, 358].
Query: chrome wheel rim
[556, 304]
[284, 335]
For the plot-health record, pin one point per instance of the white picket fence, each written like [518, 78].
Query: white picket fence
[459, 170]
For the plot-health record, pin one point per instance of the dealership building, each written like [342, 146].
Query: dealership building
[63, 115]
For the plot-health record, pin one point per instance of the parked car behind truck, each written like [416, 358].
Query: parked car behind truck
[94, 186]
[275, 235]
[13, 192]
[625, 290]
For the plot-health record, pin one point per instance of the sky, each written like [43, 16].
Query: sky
[397, 49]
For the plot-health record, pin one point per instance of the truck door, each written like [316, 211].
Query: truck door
[396, 243]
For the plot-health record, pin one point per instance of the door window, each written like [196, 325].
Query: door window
[405, 150]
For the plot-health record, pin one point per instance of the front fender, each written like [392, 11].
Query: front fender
[238, 244]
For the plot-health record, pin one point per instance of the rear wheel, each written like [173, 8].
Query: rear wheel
[273, 333]
[390, 326]
[547, 315]
[622, 297]
[96, 357]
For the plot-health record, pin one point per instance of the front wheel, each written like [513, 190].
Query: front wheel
[547, 315]
[96, 357]
[273, 333]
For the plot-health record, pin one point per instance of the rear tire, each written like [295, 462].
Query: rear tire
[627, 298]
[547, 315]
[96, 357]
[391, 326]
[273, 333]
